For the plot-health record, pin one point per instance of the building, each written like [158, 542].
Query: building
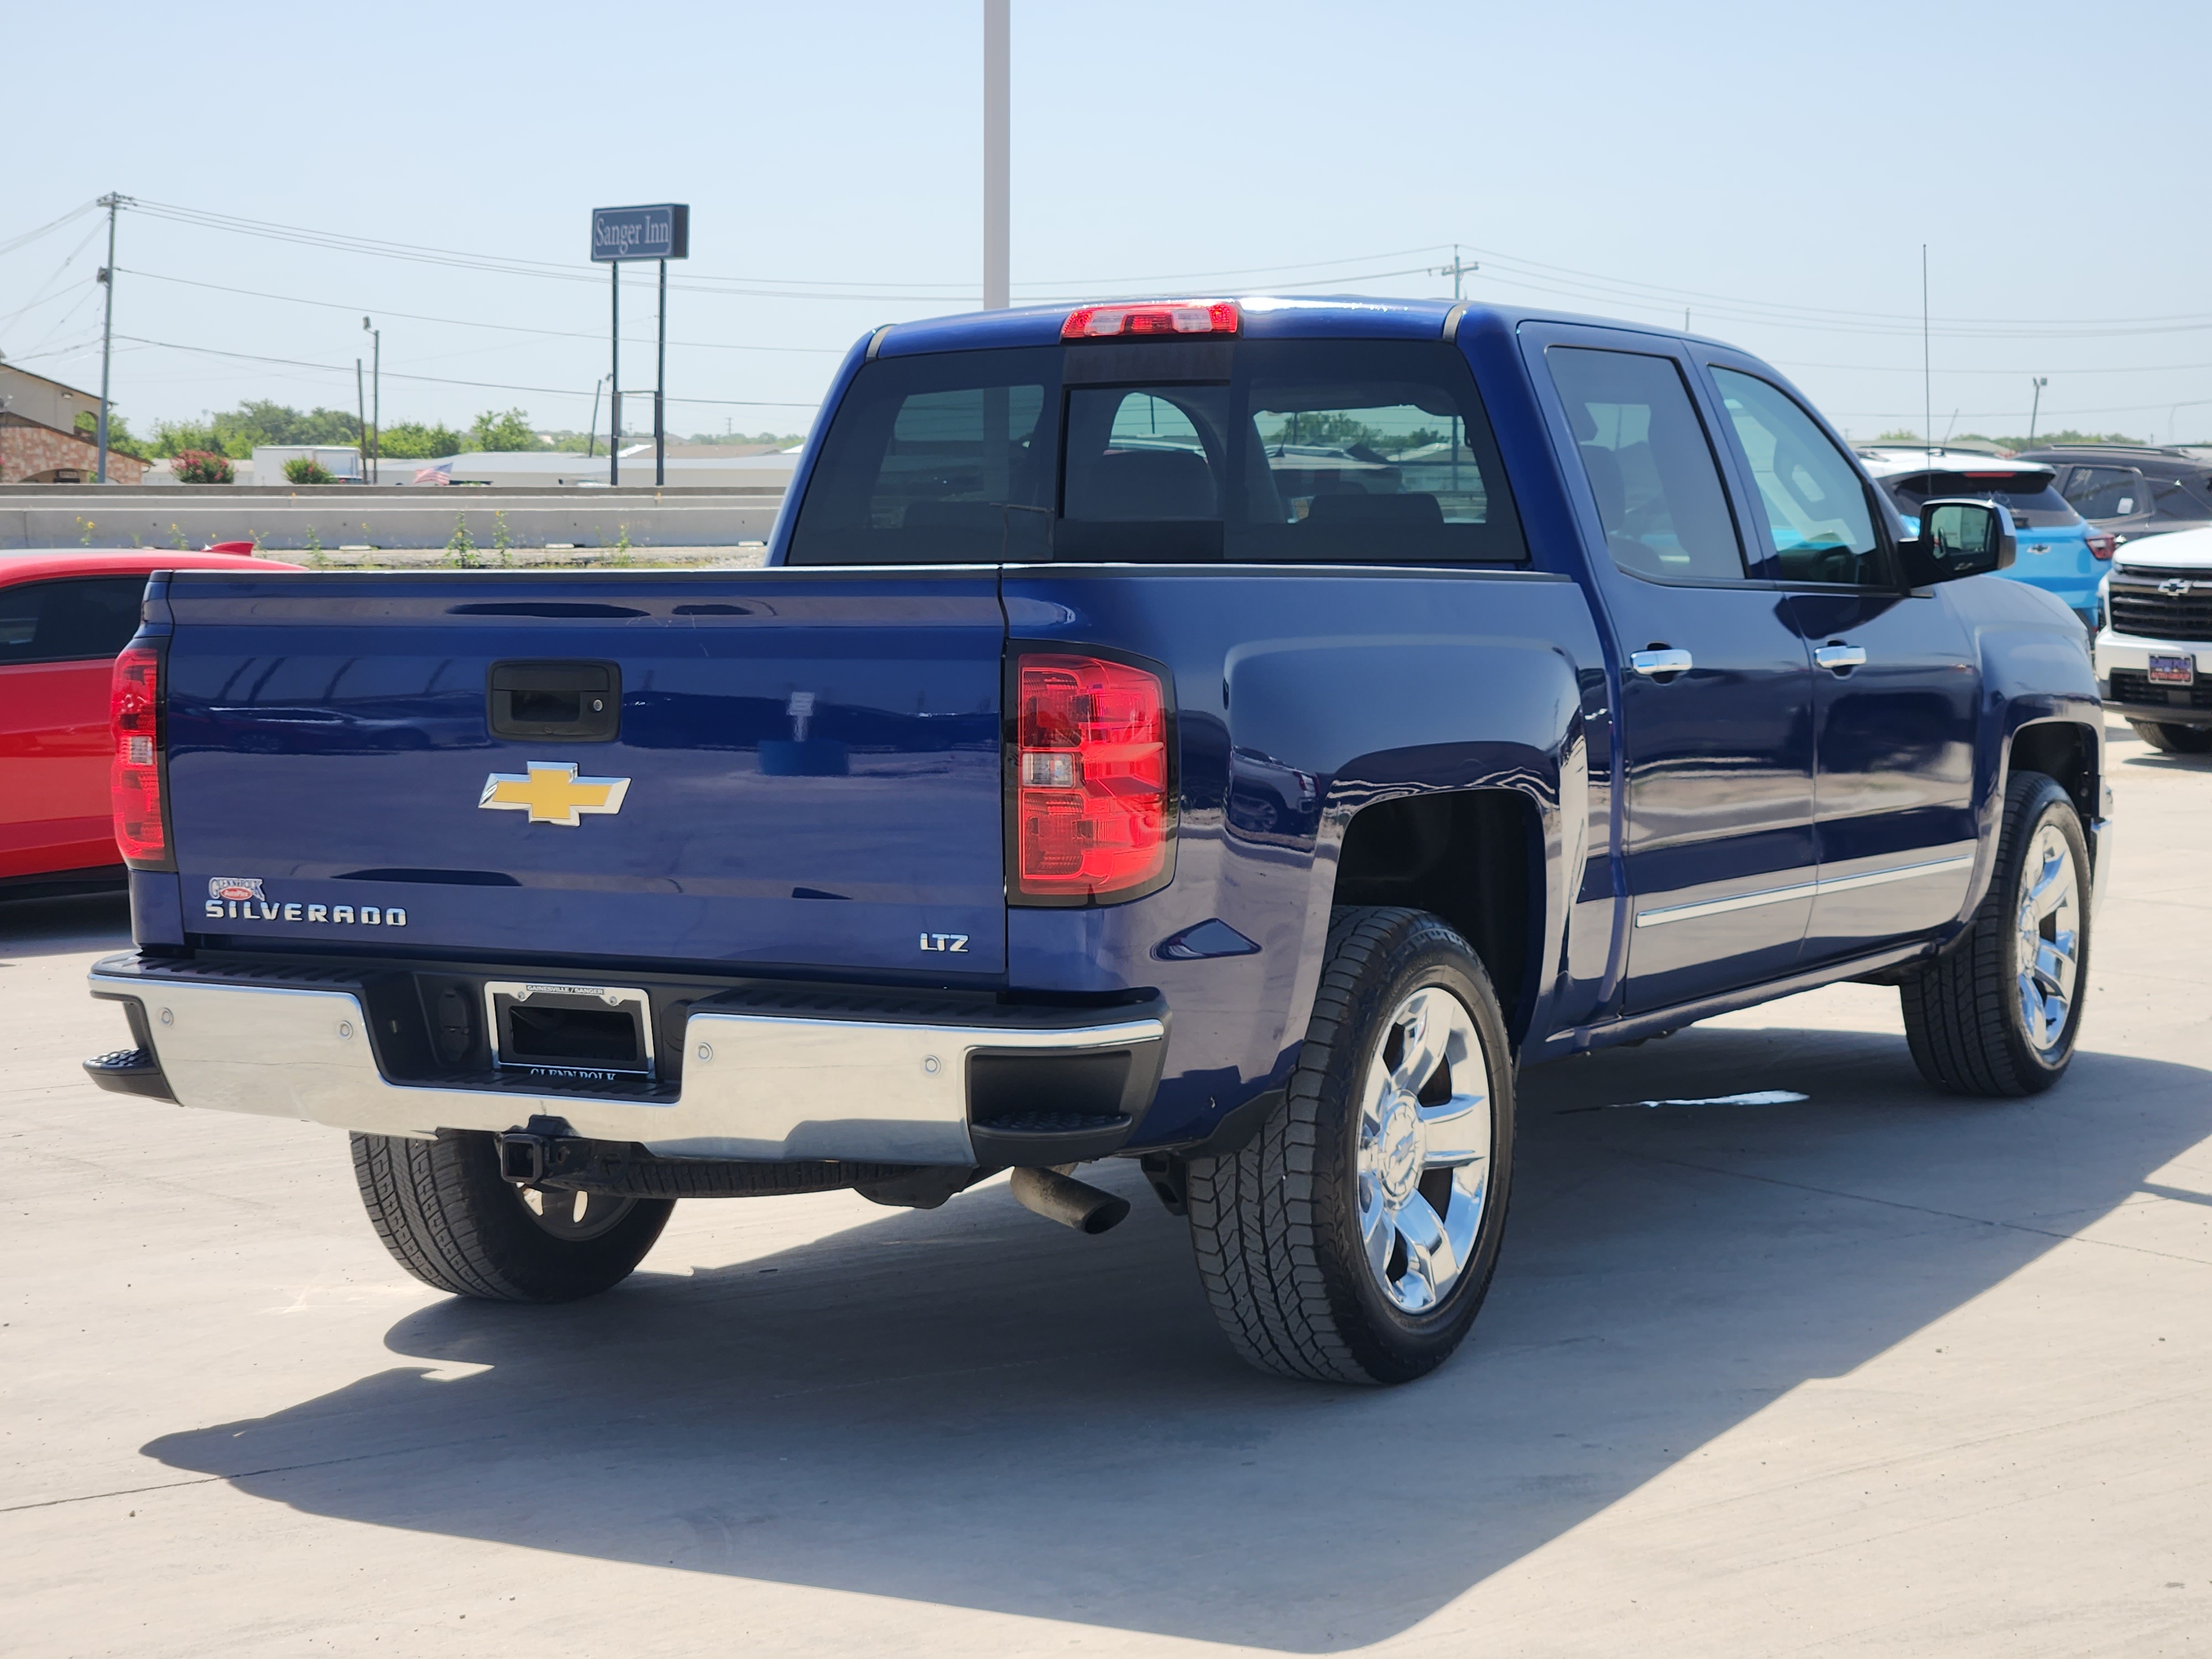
[38, 440]
[690, 467]
[341, 461]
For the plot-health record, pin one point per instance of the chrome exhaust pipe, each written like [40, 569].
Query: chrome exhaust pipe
[1057, 1196]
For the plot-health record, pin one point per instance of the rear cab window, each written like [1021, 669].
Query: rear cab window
[1251, 450]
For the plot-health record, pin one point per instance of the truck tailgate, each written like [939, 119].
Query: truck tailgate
[780, 735]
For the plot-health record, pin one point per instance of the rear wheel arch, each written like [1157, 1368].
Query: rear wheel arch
[1473, 857]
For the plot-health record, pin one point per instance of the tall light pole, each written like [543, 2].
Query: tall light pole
[376, 434]
[997, 76]
[614, 377]
[111, 202]
[2036, 408]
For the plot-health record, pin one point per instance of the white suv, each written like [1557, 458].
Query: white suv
[2155, 650]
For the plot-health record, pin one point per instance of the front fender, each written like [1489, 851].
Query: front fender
[2036, 671]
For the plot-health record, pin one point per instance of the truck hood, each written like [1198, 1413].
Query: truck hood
[2177, 550]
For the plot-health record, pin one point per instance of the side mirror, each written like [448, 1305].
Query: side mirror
[1959, 539]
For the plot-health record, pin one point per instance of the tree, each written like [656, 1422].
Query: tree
[410, 441]
[120, 440]
[234, 432]
[510, 430]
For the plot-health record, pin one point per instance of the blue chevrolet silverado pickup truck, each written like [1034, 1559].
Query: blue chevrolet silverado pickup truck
[1231, 735]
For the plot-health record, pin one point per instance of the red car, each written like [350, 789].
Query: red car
[64, 617]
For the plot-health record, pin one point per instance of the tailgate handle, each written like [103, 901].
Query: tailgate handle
[564, 701]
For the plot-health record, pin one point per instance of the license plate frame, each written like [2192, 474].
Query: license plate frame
[2175, 670]
[511, 1052]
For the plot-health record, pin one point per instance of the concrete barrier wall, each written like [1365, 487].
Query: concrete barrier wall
[190, 516]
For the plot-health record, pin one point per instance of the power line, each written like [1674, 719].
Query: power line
[463, 322]
[440, 380]
[1510, 269]
[30, 236]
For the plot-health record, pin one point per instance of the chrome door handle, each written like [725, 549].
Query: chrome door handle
[1660, 661]
[1840, 659]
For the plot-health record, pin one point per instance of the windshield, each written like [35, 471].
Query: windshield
[1325, 450]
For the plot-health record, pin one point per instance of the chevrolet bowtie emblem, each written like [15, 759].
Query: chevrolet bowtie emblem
[552, 793]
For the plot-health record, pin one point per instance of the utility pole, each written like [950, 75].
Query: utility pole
[2036, 408]
[1927, 372]
[661, 390]
[997, 183]
[592, 437]
[1457, 268]
[111, 202]
[375, 432]
[614, 379]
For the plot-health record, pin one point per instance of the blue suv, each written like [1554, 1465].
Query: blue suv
[2060, 551]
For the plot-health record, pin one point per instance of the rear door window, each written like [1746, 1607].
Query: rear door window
[69, 620]
[1819, 520]
[1650, 464]
[2106, 492]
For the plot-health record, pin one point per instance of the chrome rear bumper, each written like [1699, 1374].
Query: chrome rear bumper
[770, 1078]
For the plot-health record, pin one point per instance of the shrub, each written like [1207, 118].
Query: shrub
[306, 470]
[203, 466]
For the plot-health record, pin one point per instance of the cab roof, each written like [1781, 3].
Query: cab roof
[1265, 317]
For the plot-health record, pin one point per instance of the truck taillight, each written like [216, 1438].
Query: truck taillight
[134, 773]
[2101, 543]
[1093, 808]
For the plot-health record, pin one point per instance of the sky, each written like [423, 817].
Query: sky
[1775, 170]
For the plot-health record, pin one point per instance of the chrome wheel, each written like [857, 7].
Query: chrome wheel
[572, 1215]
[1425, 1146]
[2046, 937]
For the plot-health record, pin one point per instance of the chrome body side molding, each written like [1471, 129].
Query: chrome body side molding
[1661, 917]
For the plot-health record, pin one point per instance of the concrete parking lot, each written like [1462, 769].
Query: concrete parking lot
[1878, 1372]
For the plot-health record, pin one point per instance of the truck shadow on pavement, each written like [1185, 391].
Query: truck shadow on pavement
[64, 927]
[971, 1408]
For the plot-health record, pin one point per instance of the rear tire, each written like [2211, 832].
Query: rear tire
[446, 1214]
[2171, 739]
[1997, 1015]
[1354, 1239]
